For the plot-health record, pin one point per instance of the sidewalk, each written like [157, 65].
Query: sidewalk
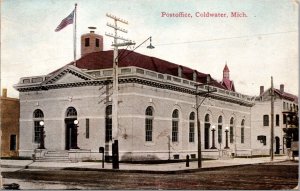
[167, 167]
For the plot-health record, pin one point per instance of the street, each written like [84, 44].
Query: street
[283, 175]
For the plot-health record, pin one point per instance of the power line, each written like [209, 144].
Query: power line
[225, 38]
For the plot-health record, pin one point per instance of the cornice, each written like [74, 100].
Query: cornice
[137, 80]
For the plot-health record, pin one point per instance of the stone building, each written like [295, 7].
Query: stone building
[156, 109]
[9, 123]
[261, 120]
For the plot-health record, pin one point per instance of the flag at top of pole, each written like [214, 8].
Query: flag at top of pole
[66, 21]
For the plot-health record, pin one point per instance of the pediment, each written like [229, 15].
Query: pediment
[69, 78]
[69, 74]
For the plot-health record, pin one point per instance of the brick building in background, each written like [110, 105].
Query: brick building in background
[9, 122]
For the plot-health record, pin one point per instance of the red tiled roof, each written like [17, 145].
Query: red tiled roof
[228, 84]
[104, 59]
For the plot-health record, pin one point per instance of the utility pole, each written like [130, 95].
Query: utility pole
[115, 123]
[198, 131]
[206, 94]
[272, 120]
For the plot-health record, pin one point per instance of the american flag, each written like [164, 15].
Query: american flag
[66, 21]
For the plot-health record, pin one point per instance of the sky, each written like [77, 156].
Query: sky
[256, 47]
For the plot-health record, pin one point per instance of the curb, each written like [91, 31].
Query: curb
[137, 171]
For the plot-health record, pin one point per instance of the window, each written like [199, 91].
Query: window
[108, 123]
[192, 128]
[266, 120]
[149, 123]
[243, 131]
[87, 42]
[262, 139]
[231, 130]
[38, 116]
[13, 143]
[97, 42]
[87, 128]
[175, 120]
[277, 120]
[71, 112]
[220, 124]
[284, 119]
[283, 105]
[176, 156]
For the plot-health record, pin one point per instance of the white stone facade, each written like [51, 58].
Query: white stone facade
[89, 94]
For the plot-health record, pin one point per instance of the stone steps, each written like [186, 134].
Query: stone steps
[54, 156]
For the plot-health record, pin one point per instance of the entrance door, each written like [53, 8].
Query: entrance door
[206, 136]
[277, 145]
[71, 134]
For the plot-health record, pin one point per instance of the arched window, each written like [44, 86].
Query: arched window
[243, 131]
[231, 130]
[108, 123]
[206, 131]
[149, 123]
[192, 128]
[71, 112]
[38, 116]
[220, 126]
[175, 122]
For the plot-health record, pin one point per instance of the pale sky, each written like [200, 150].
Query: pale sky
[256, 47]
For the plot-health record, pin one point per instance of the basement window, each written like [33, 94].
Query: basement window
[176, 156]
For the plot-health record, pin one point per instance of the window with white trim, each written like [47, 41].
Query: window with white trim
[38, 116]
[175, 122]
[149, 123]
[192, 128]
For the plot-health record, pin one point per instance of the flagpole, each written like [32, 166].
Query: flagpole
[74, 33]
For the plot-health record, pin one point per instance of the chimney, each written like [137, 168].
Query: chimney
[179, 71]
[4, 92]
[194, 75]
[91, 42]
[261, 90]
[282, 87]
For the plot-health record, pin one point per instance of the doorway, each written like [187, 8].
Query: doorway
[71, 129]
[71, 134]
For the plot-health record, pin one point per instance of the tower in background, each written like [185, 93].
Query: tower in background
[226, 79]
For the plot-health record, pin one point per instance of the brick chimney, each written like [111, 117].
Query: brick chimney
[262, 89]
[91, 42]
[4, 92]
[282, 87]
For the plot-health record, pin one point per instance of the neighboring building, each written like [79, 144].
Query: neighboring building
[261, 120]
[156, 109]
[10, 114]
